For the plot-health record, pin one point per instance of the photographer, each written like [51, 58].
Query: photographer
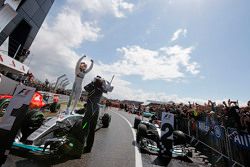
[95, 90]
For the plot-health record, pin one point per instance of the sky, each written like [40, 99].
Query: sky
[180, 50]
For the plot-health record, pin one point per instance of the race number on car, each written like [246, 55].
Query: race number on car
[167, 128]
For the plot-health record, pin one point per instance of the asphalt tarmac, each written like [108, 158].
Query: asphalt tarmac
[113, 147]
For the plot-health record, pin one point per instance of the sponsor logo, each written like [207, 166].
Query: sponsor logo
[241, 139]
[167, 126]
[23, 92]
[215, 130]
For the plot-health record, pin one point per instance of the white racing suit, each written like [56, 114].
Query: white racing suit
[77, 86]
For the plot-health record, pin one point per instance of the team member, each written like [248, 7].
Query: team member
[95, 90]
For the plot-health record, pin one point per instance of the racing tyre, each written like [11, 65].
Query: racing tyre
[77, 148]
[72, 148]
[3, 105]
[137, 122]
[106, 118]
[77, 140]
[142, 132]
[179, 138]
[33, 120]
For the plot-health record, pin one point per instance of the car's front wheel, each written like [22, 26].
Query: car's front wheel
[3, 105]
[137, 122]
[106, 118]
[179, 138]
[33, 120]
[141, 132]
[76, 141]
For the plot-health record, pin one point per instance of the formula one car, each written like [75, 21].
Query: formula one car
[58, 136]
[38, 101]
[54, 136]
[148, 114]
[149, 139]
[65, 134]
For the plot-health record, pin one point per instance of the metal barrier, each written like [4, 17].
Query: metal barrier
[215, 141]
[240, 145]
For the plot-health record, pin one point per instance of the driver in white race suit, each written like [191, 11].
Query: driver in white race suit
[80, 72]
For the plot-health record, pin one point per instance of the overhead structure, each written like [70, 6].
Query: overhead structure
[65, 84]
[62, 82]
[20, 21]
[58, 79]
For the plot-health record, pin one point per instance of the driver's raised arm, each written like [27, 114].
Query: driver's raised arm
[91, 66]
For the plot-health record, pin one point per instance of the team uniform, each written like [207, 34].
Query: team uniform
[95, 91]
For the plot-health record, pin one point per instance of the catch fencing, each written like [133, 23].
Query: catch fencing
[223, 146]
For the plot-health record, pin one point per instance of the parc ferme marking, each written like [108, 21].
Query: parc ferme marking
[138, 159]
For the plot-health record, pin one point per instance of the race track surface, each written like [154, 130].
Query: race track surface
[114, 146]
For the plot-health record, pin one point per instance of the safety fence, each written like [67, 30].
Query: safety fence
[223, 146]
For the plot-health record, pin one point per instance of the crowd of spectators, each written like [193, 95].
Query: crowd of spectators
[29, 80]
[227, 114]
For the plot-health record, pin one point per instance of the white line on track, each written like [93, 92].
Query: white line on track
[138, 160]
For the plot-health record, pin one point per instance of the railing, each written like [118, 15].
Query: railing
[218, 142]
